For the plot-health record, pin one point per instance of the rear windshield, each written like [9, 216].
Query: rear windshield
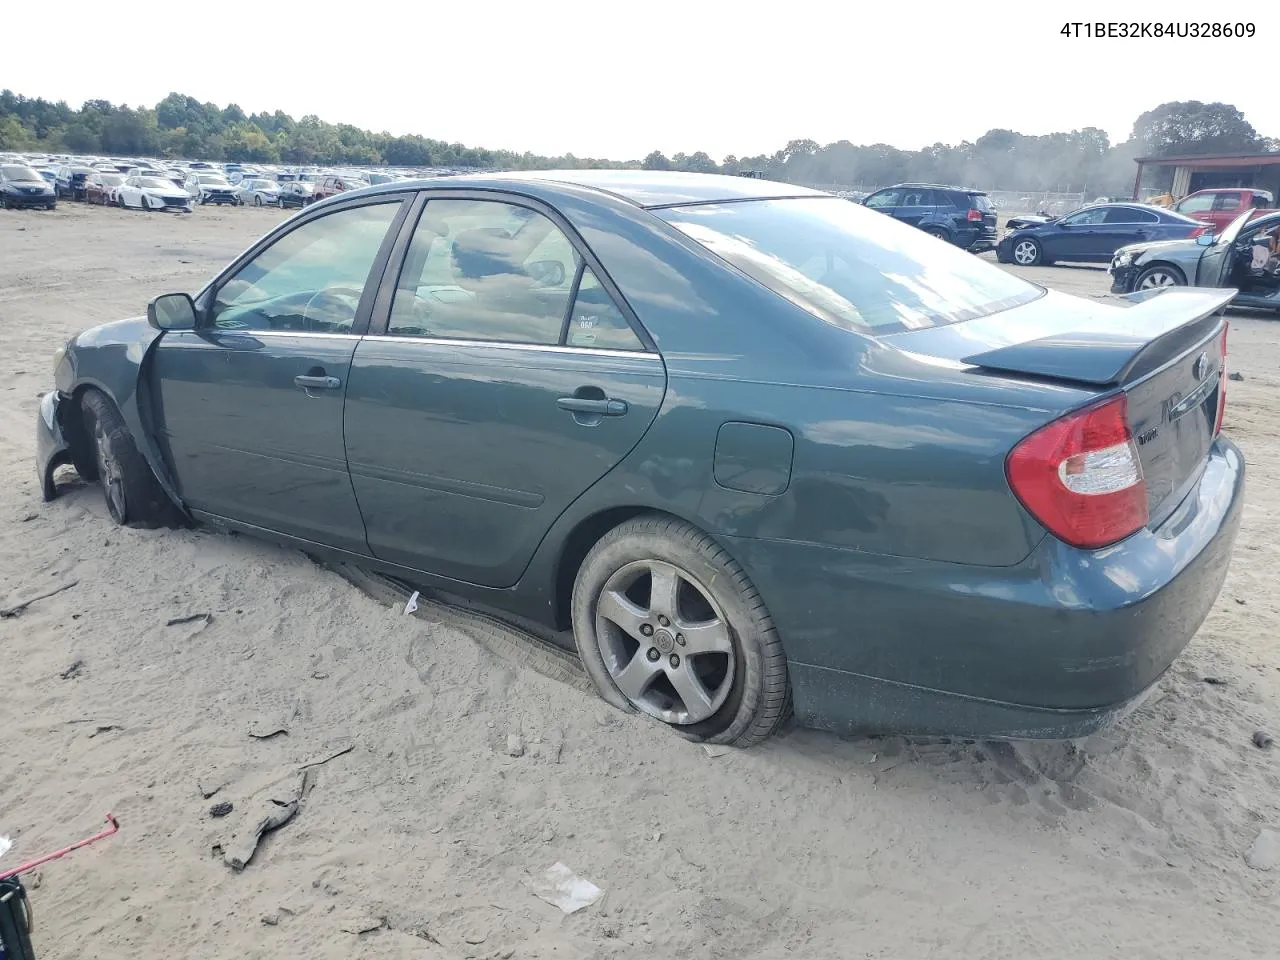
[852, 267]
[980, 201]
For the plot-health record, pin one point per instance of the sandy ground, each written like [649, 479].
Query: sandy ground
[1130, 845]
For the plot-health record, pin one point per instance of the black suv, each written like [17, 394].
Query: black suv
[963, 217]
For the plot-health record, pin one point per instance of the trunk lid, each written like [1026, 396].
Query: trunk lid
[1165, 352]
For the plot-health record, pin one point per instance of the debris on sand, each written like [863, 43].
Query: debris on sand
[203, 618]
[72, 671]
[220, 810]
[1262, 740]
[1265, 852]
[20, 608]
[561, 887]
[270, 811]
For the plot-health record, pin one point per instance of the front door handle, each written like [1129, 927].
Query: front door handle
[317, 383]
[600, 408]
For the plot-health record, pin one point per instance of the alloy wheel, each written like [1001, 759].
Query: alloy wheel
[1025, 253]
[667, 646]
[1158, 278]
[110, 473]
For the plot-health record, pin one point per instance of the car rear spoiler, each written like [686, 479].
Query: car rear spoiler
[1155, 330]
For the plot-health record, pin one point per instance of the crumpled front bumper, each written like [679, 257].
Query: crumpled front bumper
[52, 447]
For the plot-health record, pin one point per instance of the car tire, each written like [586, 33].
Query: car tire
[938, 233]
[257, 199]
[1027, 252]
[4, 202]
[737, 685]
[1160, 275]
[133, 494]
[51, 206]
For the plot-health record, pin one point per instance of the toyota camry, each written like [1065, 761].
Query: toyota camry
[749, 447]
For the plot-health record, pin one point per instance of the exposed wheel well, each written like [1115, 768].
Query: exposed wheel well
[73, 428]
[576, 547]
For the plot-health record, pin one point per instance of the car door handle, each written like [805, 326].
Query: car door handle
[601, 408]
[318, 383]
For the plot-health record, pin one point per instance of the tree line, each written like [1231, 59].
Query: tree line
[1075, 161]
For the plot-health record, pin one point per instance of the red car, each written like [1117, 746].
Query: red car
[333, 185]
[1220, 206]
[101, 187]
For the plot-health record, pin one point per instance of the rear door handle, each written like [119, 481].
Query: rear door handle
[601, 408]
[318, 383]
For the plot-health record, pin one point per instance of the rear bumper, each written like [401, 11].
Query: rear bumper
[1056, 646]
[982, 238]
[52, 447]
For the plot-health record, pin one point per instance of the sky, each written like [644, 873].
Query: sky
[617, 80]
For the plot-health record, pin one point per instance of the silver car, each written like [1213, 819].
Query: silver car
[259, 192]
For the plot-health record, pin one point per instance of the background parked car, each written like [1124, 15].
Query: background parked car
[1221, 206]
[297, 193]
[206, 187]
[101, 187]
[70, 181]
[964, 217]
[1092, 234]
[20, 186]
[333, 185]
[258, 192]
[152, 193]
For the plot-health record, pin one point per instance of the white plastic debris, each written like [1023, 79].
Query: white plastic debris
[412, 605]
[563, 888]
[5, 845]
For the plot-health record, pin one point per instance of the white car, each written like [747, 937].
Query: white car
[207, 187]
[152, 193]
[258, 192]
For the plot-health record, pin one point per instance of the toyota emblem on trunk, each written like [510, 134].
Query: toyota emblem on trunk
[1201, 367]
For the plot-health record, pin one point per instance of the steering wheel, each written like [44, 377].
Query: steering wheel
[339, 298]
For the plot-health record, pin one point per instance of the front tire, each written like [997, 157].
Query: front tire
[1027, 252]
[1160, 275]
[668, 624]
[133, 494]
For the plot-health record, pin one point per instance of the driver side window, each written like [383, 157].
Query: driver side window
[311, 278]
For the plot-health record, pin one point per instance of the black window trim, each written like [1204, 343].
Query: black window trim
[206, 298]
[383, 302]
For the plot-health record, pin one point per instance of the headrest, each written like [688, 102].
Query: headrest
[485, 252]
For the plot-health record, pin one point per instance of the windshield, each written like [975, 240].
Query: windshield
[153, 182]
[209, 178]
[851, 267]
[111, 179]
[21, 174]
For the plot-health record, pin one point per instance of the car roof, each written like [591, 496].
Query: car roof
[645, 188]
[939, 186]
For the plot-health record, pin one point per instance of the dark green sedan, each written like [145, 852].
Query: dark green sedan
[749, 446]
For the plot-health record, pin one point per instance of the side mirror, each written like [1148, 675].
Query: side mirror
[1205, 240]
[172, 311]
[549, 273]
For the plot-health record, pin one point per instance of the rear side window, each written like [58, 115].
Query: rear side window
[1130, 215]
[980, 201]
[848, 267]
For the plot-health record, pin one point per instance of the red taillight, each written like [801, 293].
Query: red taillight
[975, 214]
[1080, 476]
[1222, 383]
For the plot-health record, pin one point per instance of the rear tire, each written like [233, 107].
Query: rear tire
[938, 233]
[727, 681]
[133, 494]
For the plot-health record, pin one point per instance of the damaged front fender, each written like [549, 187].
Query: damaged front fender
[111, 358]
